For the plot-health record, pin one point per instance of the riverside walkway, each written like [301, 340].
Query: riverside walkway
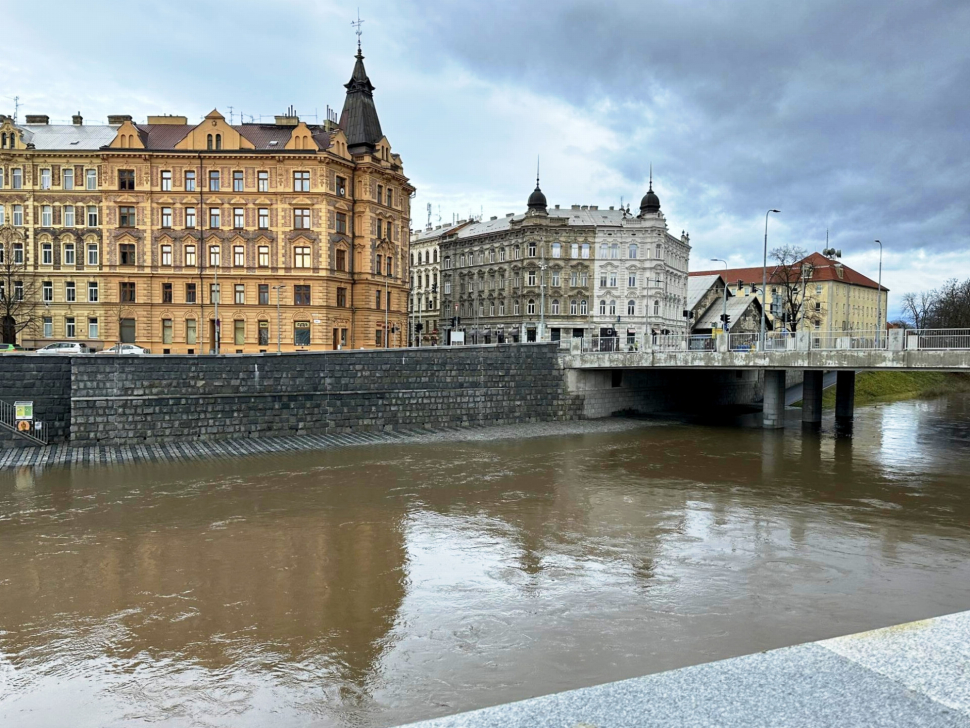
[909, 676]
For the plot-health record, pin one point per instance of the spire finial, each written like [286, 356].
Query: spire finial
[651, 177]
[537, 171]
[357, 25]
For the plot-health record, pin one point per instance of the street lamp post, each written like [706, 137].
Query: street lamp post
[879, 300]
[387, 336]
[764, 282]
[724, 307]
[279, 320]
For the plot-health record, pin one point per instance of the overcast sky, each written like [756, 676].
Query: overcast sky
[846, 115]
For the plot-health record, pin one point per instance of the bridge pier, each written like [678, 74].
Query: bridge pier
[812, 397]
[845, 396]
[773, 413]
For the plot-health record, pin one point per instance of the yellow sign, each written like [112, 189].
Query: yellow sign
[24, 410]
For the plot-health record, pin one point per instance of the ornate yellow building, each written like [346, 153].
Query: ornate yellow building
[287, 234]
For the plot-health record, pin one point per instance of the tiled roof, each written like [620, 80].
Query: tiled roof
[737, 306]
[697, 286]
[162, 136]
[68, 136]
[824, 269]
[262, 134]
[582, 217]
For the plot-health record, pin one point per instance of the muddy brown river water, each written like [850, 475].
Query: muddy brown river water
[378, 585]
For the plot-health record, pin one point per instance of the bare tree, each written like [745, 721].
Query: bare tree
[918, 307]
[19, 293]
[790, 276]
[951, 306]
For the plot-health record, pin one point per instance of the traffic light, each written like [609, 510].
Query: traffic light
[419, 326]
[726, 319]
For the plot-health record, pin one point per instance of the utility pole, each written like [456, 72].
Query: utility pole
[542, 292]
[724, 306]
[279, 320]
[879, 301]
[387, 305]
[764, 283]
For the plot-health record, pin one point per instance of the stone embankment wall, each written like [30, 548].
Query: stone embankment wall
[125, 400]
[45, 381]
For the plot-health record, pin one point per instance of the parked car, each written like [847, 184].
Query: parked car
[9, 348]
[65, 347]
[125, 349]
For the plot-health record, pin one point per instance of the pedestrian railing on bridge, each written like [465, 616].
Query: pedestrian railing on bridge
[937, 339]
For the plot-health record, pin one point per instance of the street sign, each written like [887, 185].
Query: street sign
[24, 410]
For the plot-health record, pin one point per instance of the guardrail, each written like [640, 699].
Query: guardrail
[937, 339]
[8, 421]
[838, 340]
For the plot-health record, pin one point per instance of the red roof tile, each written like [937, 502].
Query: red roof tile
[824, 269]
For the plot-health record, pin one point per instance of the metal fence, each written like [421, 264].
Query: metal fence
[937, 339]
[839, 340]
[8, 418]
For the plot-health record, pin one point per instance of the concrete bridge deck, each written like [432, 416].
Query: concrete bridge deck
[908, 676]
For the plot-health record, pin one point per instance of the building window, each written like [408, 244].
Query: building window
[70, 292]
[341, 222]
[68, 216]
[214, 256]
[448, 288]
[166, 331]
[263, 218]
[341, 186]
[633, 250]
[557, 250]
[631, 308]
[532, 306]
[166, 180]
[189, 255]
[239, 293]
[92, 328]
[67, 179]
[166, 217]
[218, 141]
[213, 180]
[47, 254]
[191, 335]
[48, 327]
[555, 278]
[69, 328]
[615, 250]
[377, 299]
[238, 332]
[301, 295]
[262, 181]
[18, 252]
[632, 280]
[555, 305]
[92, 216]
[301, 333]
[68, 254]
[263, 256]
[378, 267]
[214, 291]
[341, 259]
[45, 179]
[126, 179]
[238, 256]
[214, 217]
[656, 308]
[18, 215]
[166, 293]
[612, 308]
[380, 228]
[238, 218]
[585, 249]
[602, 308]
[263, 294]
[48, 292]
[190, 217]
[301, 218]
[92, 253]
[301, 181]
[190, 181]
[612, 280]
[264, 333]
[301, 257]
[342, 297]
[126, 254]
[126, 217]
[237, 181]
[380, 194]
[127, 292]
[659, 251]
[92, 291]
[379, 337]
[515, 308]
[573, 307]
[46, 216]
[531, 278]
[190, 293]
[17, 178]
[582, 307]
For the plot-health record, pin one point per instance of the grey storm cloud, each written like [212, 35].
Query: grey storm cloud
[846, 114]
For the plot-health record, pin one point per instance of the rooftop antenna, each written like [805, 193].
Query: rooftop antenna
[429, 216]
[357, 23]
[16, 107]
[439, 214]
[230, 116]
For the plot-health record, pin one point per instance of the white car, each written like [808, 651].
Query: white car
[125, 349]
[65, 347]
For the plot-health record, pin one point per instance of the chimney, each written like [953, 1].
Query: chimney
[170, 119]
[289, 118]
[38, 119]
[118, 118]
[77, 119]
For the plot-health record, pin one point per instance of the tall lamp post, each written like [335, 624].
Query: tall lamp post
[724, 307]
[764, 282]
[279, 320]
[879, 300]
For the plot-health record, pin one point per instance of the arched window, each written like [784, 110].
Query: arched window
[656, 308]
[583, 308]
[631, 308]
[4, 145]
[532, 306]
[572, 307]
[218, 141]
[612, 308]
[515, 308]
[208, 142]
[436, 255]
[602, 308]
[556, 250]
[515, 253]
[633, 250]
[555, 305]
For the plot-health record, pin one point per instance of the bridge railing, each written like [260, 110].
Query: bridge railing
[937, 339]
[839, 340]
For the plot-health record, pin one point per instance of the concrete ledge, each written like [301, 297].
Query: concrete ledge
[910, 676]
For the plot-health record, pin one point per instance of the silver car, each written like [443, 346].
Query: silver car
[65, 347]
[125, 349]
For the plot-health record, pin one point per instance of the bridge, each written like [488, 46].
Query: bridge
[811, 352]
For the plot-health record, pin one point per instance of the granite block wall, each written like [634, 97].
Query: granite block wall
[127, 400]
[45, 380]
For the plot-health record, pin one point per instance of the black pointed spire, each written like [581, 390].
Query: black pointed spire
[650, 202]
[537, 200]
[359, 116]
